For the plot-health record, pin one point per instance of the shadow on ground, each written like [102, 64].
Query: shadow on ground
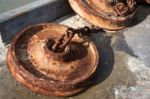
[106, 54]
[141, 14]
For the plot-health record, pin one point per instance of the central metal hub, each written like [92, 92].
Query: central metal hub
[60, 53]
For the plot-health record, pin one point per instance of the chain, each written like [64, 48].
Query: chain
[70, 33]
[131, 4]
[121, 9]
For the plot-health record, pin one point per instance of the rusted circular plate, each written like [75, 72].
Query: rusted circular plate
[108, 14]
[33, 64]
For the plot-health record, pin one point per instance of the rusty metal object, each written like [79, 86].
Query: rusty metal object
[66, 38]
[63, 72]
[107, 14]
[143, 1]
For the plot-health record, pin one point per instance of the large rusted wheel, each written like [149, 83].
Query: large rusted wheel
[108, 14]
[32, 62]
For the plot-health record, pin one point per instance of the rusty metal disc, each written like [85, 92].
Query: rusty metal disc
[62, 73]
[108, 14]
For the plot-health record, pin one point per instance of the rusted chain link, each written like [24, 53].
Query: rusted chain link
[122, 9]
[131, 4]
[70, 33]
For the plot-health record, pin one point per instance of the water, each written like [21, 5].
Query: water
[6, 5]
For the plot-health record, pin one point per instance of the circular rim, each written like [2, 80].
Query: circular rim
[33, 82]
[99, 19]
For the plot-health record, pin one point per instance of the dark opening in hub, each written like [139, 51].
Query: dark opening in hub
[50, 45]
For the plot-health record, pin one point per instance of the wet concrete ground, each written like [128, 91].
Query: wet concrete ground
[124, 69]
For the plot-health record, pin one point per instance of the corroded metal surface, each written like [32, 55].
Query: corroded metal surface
[108, 14]
[67, 37]
[62, 73]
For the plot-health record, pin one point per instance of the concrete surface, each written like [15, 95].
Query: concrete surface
[49, 6]
[6, 5]
[124, 70]
[37, 12]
